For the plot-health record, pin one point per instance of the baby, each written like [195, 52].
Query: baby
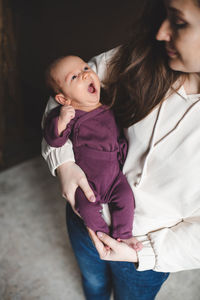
[99, 147]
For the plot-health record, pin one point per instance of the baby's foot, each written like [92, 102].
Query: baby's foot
[133, 243]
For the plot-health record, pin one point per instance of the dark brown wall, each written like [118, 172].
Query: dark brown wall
[47, 29]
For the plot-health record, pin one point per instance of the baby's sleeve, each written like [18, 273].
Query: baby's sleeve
[50, 130]
[54, 156]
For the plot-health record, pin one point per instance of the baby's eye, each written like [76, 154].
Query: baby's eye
[86, 68]
[74, 77]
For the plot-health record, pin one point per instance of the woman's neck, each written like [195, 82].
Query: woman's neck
[192, 84]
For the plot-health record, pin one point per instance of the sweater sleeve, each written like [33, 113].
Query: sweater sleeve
[57, 156]
[172, 249]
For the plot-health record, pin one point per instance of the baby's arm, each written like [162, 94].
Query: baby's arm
[67, 113]
[57, 126]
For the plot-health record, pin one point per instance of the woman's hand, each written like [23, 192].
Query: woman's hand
[71, 176]
[110, 249]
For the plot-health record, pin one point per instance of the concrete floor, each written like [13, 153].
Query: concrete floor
[36, 260]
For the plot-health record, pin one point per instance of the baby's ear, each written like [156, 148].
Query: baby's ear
[60, 98]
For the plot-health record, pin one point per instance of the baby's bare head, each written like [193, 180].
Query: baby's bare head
[52, 82]
[72, 82]
[57, 71]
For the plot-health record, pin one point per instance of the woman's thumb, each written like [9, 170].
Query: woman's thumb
[84, 185]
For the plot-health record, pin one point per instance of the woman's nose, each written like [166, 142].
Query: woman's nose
[164, 33]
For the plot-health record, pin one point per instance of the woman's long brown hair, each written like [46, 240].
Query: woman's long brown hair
[138, 76]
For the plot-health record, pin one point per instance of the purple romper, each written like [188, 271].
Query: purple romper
[100, 152]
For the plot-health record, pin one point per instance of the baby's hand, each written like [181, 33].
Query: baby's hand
[67, 112]
[133, 243]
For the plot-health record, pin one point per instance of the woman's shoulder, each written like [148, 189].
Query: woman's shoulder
[100, 62]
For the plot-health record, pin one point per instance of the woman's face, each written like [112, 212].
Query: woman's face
[181, 33]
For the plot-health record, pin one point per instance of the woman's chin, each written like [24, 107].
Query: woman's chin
[175, 65]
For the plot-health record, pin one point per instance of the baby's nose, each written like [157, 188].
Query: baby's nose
[85, 75]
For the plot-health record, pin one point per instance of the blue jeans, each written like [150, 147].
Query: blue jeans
[100, 277]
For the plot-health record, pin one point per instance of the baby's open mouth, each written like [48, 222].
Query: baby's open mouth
[91, 88]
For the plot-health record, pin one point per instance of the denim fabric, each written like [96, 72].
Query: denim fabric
[100, 277]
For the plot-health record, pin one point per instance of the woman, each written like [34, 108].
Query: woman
[160, 108]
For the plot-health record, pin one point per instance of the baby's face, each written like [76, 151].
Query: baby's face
[77, 81]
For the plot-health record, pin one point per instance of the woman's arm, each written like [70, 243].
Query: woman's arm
[177, 248]
[166, 250]
[55, 157]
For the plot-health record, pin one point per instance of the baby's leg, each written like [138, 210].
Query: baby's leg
[121, 206]
[90, 212]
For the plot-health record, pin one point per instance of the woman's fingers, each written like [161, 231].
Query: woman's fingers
[71, 176]
[104, 244]
[84, 185]
[111, 249]
[107, 240]
[98, 244]
[75, 211]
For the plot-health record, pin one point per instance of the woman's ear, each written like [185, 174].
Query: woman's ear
[60, 98]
